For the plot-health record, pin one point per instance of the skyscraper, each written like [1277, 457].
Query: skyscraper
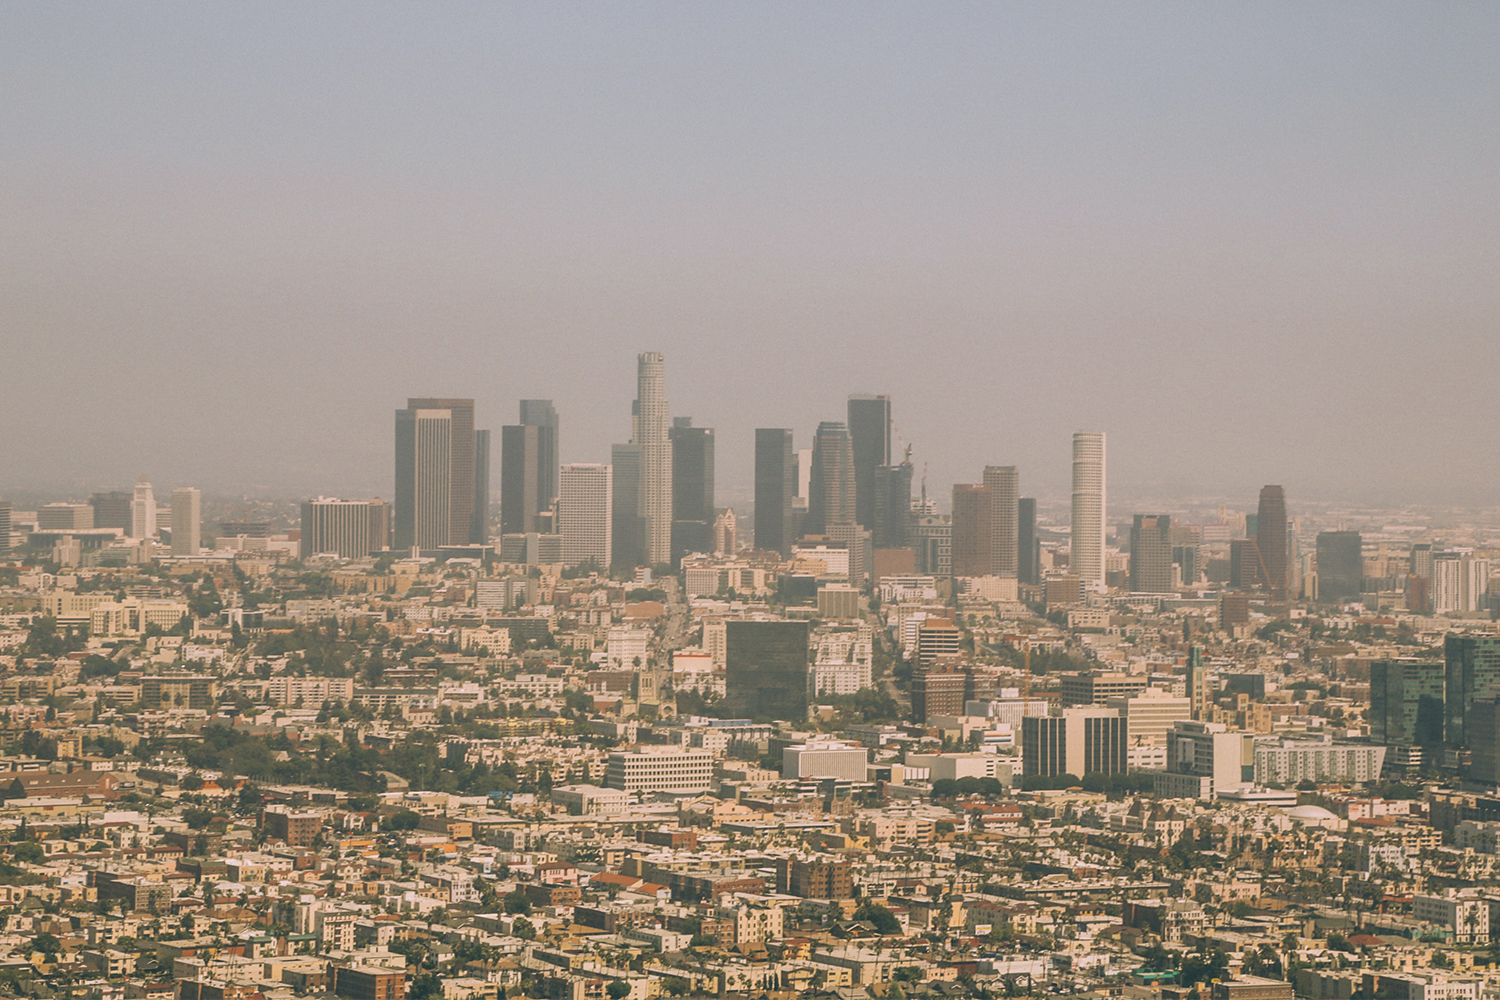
[1472, 674]
[585, 493]
[1087, 548]
[1151, 554]
[541, 414]
[1028, 546]
[973, 534]
[5, 518]
[350, 529]
[773, 490]
[1197, 684]
[187, 521]
[628, 547]
[1005, 490]
[870, 439]
[479, 530]
[521, 476]
[692, 488]
[111, 510]
[831, 493]
[651, 426]
[1341, 566]
[143, 511]
[765, 669]
[434, 473]
[1406, 702]
[893, 505]
[1270, 538]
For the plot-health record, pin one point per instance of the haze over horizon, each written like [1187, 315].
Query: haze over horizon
[1254, 244]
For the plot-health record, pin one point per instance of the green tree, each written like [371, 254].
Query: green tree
[618, 989]
[881, 918]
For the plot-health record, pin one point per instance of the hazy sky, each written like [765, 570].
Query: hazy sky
[1254, 243]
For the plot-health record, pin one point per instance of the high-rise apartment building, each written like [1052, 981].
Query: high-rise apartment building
[187, 521]
[584, 501]
[973, 530]
[692, 488]
[1028, 545]
[350, 529]
[1086, 560]
[831, 496]
[1471, 674]
[892, 506]
[143, 511]
[1406, 702]
[5, 519]
[1460, 582]
[1271, 539]
[521, 475]
[765, 669]
[541, 414]
[1151, 554]
[434, 500]
[1341, 566]
[112, 510]
[870, 441]
[652, 421]
[1005, 497]
[479, 530]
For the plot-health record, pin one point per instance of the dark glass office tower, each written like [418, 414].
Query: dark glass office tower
[480, 531]
[1341, 566]
[774, 483]
[765, 669]
[692, 488]
[520, 478]
[112, 510]
[541, 414]
[973, 520]
[870, 436]
[1151, 554]
[1472, 671]
[831, 495]
[1028, 546]
[628, 521]
[1005, 493]
[1270, 538]
[893, 506]
[1406, 702]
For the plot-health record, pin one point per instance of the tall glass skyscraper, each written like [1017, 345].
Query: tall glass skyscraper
[652, 423]
[1087, 556]
[831, 497]
[774, 485]
[541, 414]
[1270, 538]
[434, 473]
[1005, 493]
[870, 436]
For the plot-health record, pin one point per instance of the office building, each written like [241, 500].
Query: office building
[1271, 539]
[1199, 698]
[1245, 570]
[692, 488]
[651, 421]
[870, 444]
[64, 517]
[1005, 497]
[1460, 582]
[938, 638]
[831, 490]
[627, 518]
[1185, 558]
[940, 691]
[1204, 759]
[1028, 545]
[1471, 674]
[973, 530]
[1151, 554]
[585, 495]
[350, 529]
[765, 669]
[1482, 728]
[434, 502]
[1150, 714]
[1095, 687]
[932, 539]
[1086, 559]
[187, 521]
[521, 474]
[362, 982]
[5, 527]
[143, 511]
[814, 761]
[1407, 702]
[112, 510]
[479, 532]
[1080, 741]
[541, 414]
[774, 486]
[1341, 566]
[892, 506]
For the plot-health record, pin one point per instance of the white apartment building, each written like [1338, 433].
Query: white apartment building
[842, 761]
[1467, 917]
[1286, 762]
[627, 648]
[310, 691]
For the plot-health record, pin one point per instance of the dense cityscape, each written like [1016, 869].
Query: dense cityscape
[531, 727]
